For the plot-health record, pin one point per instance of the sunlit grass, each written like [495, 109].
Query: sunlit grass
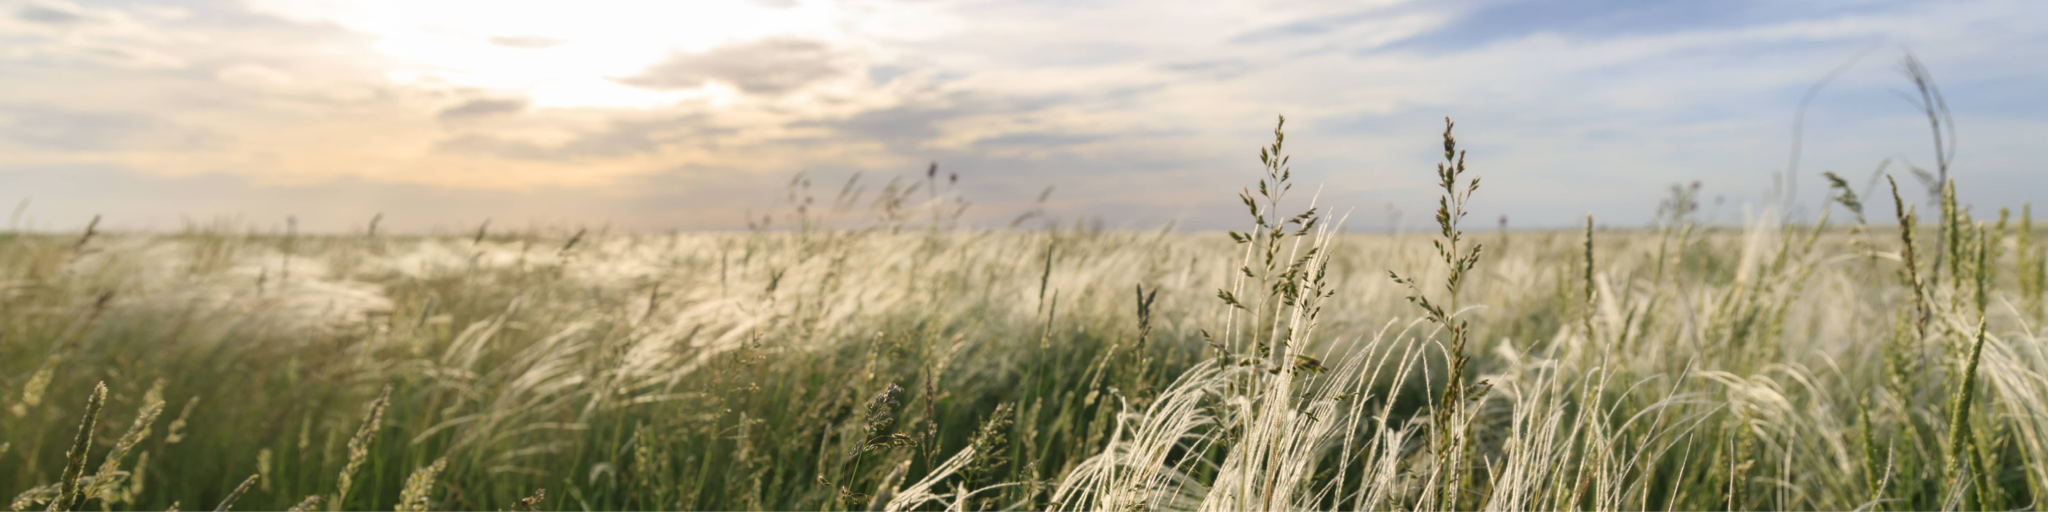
[915, 364]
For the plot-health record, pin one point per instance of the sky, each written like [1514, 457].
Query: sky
[702, 114]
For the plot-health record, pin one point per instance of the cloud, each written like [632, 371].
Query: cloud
[921, 119]
[620, 139]
[1491, 22]
[885, 74]
[480, 108]
[253, 76]
[64, 197]
[1042, 139]
[57, 129]
[768, 67]
[904, 126]
[1217, 69]
[48, 16]
[59, 33]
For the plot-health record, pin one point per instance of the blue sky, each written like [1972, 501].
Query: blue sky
[696, 115]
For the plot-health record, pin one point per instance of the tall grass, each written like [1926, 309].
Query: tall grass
[916, 364]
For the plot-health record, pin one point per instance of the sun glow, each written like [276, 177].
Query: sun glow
[556, 54]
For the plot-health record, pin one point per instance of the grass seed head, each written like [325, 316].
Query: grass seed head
[106, 480]
[419, 488]
[359, 446]
[881, 411]
[72, 495]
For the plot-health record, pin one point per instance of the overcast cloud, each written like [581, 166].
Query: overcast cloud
[695, 115]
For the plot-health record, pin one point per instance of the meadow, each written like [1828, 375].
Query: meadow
[1887, 357]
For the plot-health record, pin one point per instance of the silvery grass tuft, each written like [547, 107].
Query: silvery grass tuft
[1250, 428]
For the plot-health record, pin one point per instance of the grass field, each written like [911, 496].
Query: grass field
[1861, 363]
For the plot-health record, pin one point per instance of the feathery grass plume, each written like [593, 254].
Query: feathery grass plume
[1134, 472]
[306, 505]
[359, 446]
[919, 493]
[1245, 430]
[71, 494]
[419, 488]
[887, 491]
[176, 432]
[105, 480]
[228, 503]
[173, 507]
[1450, 210]
[1272, 414]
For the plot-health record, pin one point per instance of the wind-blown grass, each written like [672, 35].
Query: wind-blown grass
[905, 366]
